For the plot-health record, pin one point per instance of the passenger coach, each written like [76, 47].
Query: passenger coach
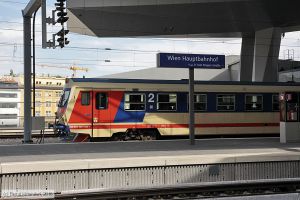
[124, 109]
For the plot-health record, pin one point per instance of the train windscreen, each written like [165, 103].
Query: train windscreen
[64, 98]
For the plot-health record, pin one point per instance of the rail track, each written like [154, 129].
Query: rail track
[193, 191]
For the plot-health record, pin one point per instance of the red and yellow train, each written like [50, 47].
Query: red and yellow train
[124, 109]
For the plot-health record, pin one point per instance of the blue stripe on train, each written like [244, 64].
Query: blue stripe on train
[138, 116]
[128, 116]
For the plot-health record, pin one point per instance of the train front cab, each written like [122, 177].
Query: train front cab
[101, 115]
[94, 112]
[289, 117]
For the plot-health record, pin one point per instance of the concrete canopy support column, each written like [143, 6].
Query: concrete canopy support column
[266, 53]
[247, 53]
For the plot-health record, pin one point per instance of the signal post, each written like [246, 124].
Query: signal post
[32, 7]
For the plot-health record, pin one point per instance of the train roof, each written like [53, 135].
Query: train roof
[184, 81]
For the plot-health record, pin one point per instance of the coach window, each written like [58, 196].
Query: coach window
[166, 102]
[254, 103]
[85, 98]
[275, 102]
[134, 102]
[225, 102]
[101, 101]
[200, 102]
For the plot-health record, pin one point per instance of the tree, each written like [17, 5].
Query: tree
[11, 72]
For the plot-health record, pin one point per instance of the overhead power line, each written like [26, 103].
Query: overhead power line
[86, 60]
[138, 50]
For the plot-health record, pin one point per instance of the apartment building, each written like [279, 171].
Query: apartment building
[47, 94]
[10, 96]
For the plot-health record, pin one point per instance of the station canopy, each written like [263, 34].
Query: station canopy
[205, 18]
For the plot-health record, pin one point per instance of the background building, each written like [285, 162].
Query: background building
[9, 103]
[288, 70]
[48, 92]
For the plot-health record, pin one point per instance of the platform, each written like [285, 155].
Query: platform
[205, 151]
[83, 166]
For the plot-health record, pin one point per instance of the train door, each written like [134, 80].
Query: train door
[101, 114]
[289, 107]
[105, 111]
[83, 112]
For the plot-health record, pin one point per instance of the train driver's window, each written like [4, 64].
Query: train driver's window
[101, 101]
[85, 98]
[254, 102]
[225, 102]
[134, 102]
[166, 102]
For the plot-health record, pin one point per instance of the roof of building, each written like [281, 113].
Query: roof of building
[178, 73]
[184, 81]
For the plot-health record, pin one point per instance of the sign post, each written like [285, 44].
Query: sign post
[191, 106]
[191, 61]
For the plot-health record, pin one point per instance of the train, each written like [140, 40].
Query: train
[135, 109]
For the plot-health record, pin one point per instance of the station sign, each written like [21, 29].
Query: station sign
[176, 60]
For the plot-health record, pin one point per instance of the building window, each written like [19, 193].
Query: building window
[37, 113]
[8, 95]
[8, 105]
[57, 94]
[37, 104]
[48, 113]
[8, 116]
[48, 94]
[225, 102]
[275, 102]
[85, 98]
[38, 94]
[254, 102]
[166, 102]
[134, 102]
[48, 103]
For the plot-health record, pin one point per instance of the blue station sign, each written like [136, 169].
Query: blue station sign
[176, 60]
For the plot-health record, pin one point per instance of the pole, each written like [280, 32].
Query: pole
[191, 106]
[33, 63]
[27, 79]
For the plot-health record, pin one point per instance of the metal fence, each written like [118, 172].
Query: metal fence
[75, 180]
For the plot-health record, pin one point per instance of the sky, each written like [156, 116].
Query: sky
[89, 52]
